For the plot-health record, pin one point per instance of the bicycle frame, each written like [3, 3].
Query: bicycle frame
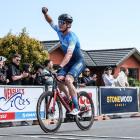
[56, 94]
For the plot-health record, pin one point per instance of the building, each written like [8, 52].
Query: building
[97, 60]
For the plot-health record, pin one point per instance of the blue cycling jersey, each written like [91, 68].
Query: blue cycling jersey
[71, 41]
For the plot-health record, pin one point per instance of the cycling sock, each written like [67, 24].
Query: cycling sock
[75, 102]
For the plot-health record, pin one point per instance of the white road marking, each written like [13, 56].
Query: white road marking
[71, 136]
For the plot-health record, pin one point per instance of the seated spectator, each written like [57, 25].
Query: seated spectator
[121, 80]
[108, 77]
[87, 79]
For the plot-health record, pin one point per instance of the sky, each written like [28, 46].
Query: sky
[99, 24]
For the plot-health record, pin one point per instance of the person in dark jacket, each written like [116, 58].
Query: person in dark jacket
[27, 69]
[15, 75]
[87, 80]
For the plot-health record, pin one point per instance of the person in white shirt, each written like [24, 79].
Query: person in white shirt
[108, 77]
[121, 80]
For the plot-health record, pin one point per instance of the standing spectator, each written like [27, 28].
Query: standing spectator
[121, 80]
[87, 80]
[3, 81]
[48, 66]
[39, 79]
[39, 76]
[27, 69]
[15, 75]
[108, 77]
[3, 74]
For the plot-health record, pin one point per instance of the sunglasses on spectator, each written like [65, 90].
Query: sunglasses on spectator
[87, 71]
[61, 22]
[18, 60]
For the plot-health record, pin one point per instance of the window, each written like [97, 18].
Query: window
[133, 73]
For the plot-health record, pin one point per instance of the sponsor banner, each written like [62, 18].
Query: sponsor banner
[7, 116]
[21, 100]
[93, 93]
[28, 115]
[118, 100]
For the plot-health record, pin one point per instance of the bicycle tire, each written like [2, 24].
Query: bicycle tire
[78, 118]
[42, 124]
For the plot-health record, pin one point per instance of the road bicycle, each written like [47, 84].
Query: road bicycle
[50, 113]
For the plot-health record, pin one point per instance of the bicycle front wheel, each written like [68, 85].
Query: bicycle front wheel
[85, 118]
[49, 114]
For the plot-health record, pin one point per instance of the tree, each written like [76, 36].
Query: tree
[31, 50]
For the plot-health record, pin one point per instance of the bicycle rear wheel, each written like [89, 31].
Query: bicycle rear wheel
[48, 115]
[85, 118]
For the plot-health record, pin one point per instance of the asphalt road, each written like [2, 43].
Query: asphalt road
[115, 129]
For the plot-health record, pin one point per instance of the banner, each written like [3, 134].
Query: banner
[93, 93]
[19, 102]
[118, 100]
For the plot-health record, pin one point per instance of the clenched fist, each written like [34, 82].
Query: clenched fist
[44, 10]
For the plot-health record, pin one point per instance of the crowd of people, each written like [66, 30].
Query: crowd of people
[14, 74]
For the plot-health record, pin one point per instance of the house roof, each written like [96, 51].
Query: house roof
[51, 45]
[112, 57]
[106, 57]
[88, 59]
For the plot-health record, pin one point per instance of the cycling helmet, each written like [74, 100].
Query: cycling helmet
[66, 17]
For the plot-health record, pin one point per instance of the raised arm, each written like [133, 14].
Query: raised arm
[47, 17]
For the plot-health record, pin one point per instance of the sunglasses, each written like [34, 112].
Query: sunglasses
[87, 71]
[18, 60]
[61, 22]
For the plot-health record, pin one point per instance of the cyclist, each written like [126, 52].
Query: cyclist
[73, 63]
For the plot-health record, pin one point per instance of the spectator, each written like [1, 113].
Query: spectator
[27, 69]
[3, 81]
[15, 75]
[3, 74]
[48, 67]
[121, 80]
[108, 77]
[39, 79]
[87, 80]
[39, 75]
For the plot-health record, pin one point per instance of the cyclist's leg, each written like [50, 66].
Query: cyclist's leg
[72, 90]
[73, 73]
[61, 76]
[63, 88]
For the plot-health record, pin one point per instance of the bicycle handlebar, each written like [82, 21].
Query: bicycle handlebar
[54, 75]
